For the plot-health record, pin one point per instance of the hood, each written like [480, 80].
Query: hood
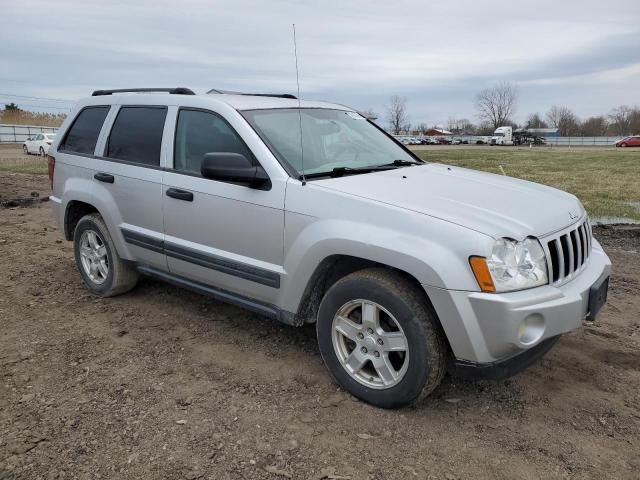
[496, 205]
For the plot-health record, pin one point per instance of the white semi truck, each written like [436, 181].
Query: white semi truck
[502, 136]
[521, 136]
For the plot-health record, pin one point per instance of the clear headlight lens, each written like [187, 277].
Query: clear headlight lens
[517, 265]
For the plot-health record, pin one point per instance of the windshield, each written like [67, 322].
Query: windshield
[332, 139]
[498, 134]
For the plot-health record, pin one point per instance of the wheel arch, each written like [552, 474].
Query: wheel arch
[74, 211]
[331, 269]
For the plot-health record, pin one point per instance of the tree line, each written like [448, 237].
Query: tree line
[12, 114]
[496, 106]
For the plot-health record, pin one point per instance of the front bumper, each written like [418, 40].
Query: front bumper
[488, 328]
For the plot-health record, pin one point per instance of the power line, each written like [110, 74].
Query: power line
[36, 98]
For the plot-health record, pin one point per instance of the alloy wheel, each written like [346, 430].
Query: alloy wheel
[370, 344]
[93, 256]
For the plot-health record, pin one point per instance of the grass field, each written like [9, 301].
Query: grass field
[607, 181]
[37, 166]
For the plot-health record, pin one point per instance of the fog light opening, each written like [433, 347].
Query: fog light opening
[531, 329]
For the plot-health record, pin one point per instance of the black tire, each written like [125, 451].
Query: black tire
[41, 152]
[121, 276]
[428, 352]
[25, 150]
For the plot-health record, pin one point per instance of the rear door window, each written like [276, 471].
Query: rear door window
[83, 134]
[136, 135]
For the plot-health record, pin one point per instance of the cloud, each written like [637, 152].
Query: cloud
[579, 53]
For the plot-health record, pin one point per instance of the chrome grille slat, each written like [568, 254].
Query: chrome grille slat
[568, 252]
[560, 260]
[576, 234]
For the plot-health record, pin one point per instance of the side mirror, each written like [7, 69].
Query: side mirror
[234, 168]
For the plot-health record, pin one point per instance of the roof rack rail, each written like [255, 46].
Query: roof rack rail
[275, 95]
[176, 91]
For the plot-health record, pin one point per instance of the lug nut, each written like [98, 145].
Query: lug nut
[380, 342]
[376, 354]
[369, 331]
[360, 336]
[363, 350]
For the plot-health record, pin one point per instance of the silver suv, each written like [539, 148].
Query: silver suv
[306, 212]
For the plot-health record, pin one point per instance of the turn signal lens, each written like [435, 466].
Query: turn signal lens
[482, 274]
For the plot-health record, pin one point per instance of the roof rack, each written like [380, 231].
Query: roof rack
[176, 91]
[275, 95]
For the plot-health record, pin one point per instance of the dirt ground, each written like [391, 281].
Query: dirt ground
[165, 384]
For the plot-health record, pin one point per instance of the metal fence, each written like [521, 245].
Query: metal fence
[582, 141]
[19, 133]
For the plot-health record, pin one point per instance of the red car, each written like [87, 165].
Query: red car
[632, 141]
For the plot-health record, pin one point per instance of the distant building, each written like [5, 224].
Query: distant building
[436, 132]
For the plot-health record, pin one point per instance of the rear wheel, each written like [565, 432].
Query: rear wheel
[101, 268]
[380, 338]
[41, 152]
[25, 150]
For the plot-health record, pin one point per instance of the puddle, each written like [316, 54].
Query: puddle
[22, 202]
[614, 221]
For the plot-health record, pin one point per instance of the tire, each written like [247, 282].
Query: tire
[25, 150]
[418, 370]
[114, 276]
[623, 145]
[41, 152]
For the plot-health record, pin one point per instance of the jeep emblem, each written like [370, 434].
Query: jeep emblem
[573, 214]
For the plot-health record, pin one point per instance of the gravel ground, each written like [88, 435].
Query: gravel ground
[163, 383]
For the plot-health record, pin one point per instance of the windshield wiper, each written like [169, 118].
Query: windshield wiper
[340, 171]
[402, 163]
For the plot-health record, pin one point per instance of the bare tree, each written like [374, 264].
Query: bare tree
[594, 126]
[619, 118]
[563, 119]
[535, 121]
[496, 105]
[397, 113]
[421, 128]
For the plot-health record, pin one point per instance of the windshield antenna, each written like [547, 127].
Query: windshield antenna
[295, 53]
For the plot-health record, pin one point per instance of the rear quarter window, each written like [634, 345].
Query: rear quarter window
[136, 135]
[83, 133]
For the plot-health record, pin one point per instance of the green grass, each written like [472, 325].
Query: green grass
[39, 168]
[607, 181]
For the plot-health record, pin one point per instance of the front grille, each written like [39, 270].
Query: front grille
[568, 253]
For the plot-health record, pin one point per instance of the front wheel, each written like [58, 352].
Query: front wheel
[623, 145]
[25, 150]
[381, 339]
[41, 152]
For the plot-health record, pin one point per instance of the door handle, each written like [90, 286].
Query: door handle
[180, 194]
[104, 177]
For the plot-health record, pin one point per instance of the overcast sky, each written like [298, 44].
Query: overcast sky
[583, 54]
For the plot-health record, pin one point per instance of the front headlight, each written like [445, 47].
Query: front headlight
[513, 265]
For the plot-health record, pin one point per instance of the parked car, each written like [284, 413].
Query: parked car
[428, 141]
[38, 144]
[407, 269]
[443, 141]
[631, 141]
